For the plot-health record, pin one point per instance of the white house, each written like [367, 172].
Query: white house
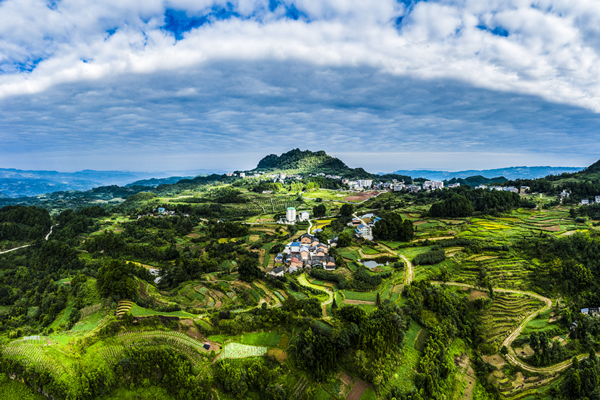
[364, 231]
[433, 185]
[242, 174]
[453, 185]
[585, 202]
[365, 183]
[304, 216]
[290, 214]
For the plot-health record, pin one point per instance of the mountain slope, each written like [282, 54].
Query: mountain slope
[298, 161]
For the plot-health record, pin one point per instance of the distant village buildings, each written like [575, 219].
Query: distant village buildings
[308, 252]
[433, 185]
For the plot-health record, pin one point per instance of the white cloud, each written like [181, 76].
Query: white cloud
[552, 50]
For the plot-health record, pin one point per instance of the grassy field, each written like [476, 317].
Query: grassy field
[269, 339]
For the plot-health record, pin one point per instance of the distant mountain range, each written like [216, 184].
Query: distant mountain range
[154, 182]
[510, 173]
[21, 183]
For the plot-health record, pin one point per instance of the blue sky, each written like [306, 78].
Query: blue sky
[164, 85]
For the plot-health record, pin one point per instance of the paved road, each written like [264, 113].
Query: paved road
[27, 245]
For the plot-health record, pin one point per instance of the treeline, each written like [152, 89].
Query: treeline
[393, 227]
[258, 375]
[433, 256]
[455, 317]
[328, 276]
[462, 202]
[72, 223]
[140, 366]
[116, 246]
[227, 229]
[24, 223]
[364, 342]
[569, 264]
[363, 281]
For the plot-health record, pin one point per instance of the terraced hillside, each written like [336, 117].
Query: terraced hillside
[504, 270]
[505, 314]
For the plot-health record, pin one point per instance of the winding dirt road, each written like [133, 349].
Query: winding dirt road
[511, 356]
[27, 245]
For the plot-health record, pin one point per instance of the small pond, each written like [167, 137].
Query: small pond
[379, 262]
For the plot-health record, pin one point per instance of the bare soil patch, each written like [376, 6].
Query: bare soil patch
[357, 390]
[526, 351]
[554, 228]
[496, 360]
[346, 379]
[476, 294]
[419, 222]
[347, 301]
[280, 355]
[568, 233]
[398, 289]
[193, 235]
[433, 239]
[361, 196]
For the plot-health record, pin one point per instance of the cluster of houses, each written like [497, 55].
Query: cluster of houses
[587, 202]
[360, 184]
[364, 229]
[162, 212]
[307, 252]
[522, 189]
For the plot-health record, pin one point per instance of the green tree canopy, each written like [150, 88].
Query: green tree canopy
[116, 279]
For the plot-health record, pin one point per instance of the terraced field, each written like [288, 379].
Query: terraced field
[191, 348]
[505, 270]
[505, 314]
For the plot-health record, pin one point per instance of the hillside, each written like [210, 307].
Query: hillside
[298, 161]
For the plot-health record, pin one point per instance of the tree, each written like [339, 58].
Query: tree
[116, 279]
[344, 240]
[248, 269]
[347, 210]
[504, 350]
[378, 300]
[319, 210]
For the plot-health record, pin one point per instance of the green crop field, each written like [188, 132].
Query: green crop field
[269, 339]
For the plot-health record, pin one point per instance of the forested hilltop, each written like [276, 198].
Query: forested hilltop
[199, 290]
[309, 162]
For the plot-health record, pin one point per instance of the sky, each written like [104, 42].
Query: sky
[150, 85]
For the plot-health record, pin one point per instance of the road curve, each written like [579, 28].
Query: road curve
[511, 356]
[409, 273]
[27, 245]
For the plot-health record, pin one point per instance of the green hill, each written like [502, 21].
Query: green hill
[298, 161]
